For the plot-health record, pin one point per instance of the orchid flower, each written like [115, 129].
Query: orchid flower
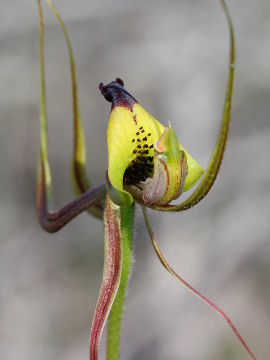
[147, 165]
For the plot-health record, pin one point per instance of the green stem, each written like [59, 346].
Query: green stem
[116, 313]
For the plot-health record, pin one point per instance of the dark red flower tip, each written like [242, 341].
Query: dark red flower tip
[115, 93]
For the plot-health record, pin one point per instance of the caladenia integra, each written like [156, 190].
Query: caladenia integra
[147, 165]
[146, 161]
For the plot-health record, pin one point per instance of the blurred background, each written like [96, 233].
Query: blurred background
[173, 57]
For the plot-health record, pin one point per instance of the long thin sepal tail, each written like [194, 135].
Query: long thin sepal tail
[113, 260]
[43, 165]
[52, 221]
[80, 179]
[213, 167]
[167, 266]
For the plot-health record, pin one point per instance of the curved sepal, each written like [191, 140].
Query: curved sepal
[214, 164]
[182, 281]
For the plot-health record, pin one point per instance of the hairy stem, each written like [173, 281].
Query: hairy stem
[116, 313]
[113, 259]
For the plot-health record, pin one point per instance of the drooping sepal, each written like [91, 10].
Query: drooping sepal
[182, 281]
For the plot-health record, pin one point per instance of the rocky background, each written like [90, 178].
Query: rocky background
[173, 56]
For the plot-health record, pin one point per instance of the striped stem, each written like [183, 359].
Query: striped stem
[116, 314]
[113, 259]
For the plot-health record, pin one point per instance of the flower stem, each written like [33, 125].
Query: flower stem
[113, 256]
[116, 313]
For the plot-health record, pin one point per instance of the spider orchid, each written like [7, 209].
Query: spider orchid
[146, 165]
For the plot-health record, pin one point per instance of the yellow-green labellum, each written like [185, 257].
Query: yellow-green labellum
[132, 136]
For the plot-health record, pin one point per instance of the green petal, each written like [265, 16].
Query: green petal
[195, 171]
